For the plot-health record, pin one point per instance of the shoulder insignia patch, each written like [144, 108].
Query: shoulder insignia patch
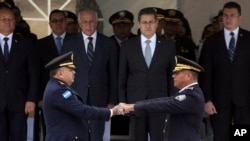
[180, 97]
[66, 94]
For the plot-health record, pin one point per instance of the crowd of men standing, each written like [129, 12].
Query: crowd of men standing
[124, 67]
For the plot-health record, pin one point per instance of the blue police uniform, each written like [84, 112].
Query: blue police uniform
[183, 110]
[65, 113]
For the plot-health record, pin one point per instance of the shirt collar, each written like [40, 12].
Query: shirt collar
[85, 37]
[152, 39]
[235, 31]
[62, 35]
[9, 36]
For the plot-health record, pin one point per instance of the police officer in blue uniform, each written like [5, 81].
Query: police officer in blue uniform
[65, 113]
[184, 110]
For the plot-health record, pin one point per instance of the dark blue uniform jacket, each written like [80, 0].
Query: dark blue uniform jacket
[66, 114]
[184, 110]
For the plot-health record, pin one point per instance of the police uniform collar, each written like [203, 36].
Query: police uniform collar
[190, 86]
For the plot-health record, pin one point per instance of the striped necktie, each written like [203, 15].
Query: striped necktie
[231, 48]
[90, 51]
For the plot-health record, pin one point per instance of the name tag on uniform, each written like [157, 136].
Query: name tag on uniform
[66, 94]
[180, 97]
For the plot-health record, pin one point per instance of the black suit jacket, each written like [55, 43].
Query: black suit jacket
[224, 81]
[136, 80]
[98, 84]
[19, 78]
[47, 51]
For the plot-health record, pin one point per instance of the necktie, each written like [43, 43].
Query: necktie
[59, 44]
[148, 55]
[90, 51]
[6, 49]
[231, 48]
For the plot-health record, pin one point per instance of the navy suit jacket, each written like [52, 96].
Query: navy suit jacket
[66, 114]
[137, 81]
[47, 51]
[224, 81]
[99, 83]
[19, 78]
[184, 110]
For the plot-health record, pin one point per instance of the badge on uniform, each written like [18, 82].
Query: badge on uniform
[180, 97]
[66, 94]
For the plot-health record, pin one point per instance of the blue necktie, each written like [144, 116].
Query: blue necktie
[59, 44]
[90, 51]
[6, 49]
[231, 48]
[148, 55]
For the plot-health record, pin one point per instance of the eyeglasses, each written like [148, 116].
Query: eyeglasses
[147, 22]
[57, 20]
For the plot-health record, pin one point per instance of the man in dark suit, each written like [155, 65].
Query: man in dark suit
[65, 112]
[184, 109]
[48, 48]
[141, 79]
[19, 77]
[122, 23]
[225, 83]
[96, 61]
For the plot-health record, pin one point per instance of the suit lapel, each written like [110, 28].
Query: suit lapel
[98, 48]
[223, 46]
[82, 50]
[2, 55]
[14, 46]
[52, 48]
[157, 52]
[138, 51]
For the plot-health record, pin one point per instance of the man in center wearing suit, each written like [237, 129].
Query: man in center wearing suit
[141, 79]
[48, 48]
[225, 81]
[96, 61]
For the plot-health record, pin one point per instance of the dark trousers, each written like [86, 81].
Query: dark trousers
[153, 126]
[96, 130]
[225, 117]
[13, 125]
[39, 125]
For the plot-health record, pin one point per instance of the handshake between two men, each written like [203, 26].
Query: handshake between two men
[122, 109]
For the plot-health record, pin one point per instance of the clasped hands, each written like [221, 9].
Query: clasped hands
[123, 108]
